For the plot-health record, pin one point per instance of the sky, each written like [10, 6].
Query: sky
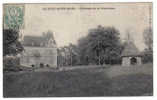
[71, 23]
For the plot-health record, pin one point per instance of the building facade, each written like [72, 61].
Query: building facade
[131, 55]
[39, 52]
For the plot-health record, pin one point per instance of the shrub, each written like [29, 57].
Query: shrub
[147, 58]
[11, 63]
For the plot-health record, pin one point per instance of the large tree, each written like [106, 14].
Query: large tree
[148, 38]
[11, 45]
[102, 44]
[148, 51]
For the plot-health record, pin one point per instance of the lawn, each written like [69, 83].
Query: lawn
[94, 81]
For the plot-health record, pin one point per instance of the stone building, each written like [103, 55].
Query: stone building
[131, 55]
[39, 51]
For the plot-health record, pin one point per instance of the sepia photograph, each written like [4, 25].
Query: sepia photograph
[77, 49]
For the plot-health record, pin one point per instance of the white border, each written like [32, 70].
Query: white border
[86, 1]
[71, 1]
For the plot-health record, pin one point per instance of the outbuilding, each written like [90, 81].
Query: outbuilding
[131, 55]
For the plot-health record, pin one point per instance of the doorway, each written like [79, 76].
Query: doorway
[133, 61]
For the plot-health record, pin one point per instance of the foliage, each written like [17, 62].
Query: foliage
[68, 55]
[148, 51]
[11, 45]
[102, 44]
[147, 56]
[148, 38]
[10, 62]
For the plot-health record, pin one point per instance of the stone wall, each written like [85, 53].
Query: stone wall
[37, 55]
[139, 60]
[126, 61]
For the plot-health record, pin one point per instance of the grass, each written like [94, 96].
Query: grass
[132, 85]
[80, 82]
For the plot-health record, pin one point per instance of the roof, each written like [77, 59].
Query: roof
[37, 41]
[130, 50]
[32, 40]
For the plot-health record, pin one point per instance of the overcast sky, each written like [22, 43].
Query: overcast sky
[69, 25]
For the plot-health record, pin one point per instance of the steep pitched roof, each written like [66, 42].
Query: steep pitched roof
[32, 40]
[130, 50]
[38, 41]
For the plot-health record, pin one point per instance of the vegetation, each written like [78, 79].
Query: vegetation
[11, 45]
[148, 51]
[148, 38]
[81, 82]
[101, 45]
[68, 55]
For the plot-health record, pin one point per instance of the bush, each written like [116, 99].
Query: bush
[11, 63]
[147, 58]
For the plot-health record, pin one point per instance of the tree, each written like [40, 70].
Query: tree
[147, 56]
[11, 45]
[148, 51]
[63, 56]
[102, 44]
[60, 58]
[74, 57]
[148, 38]
[68, 55]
